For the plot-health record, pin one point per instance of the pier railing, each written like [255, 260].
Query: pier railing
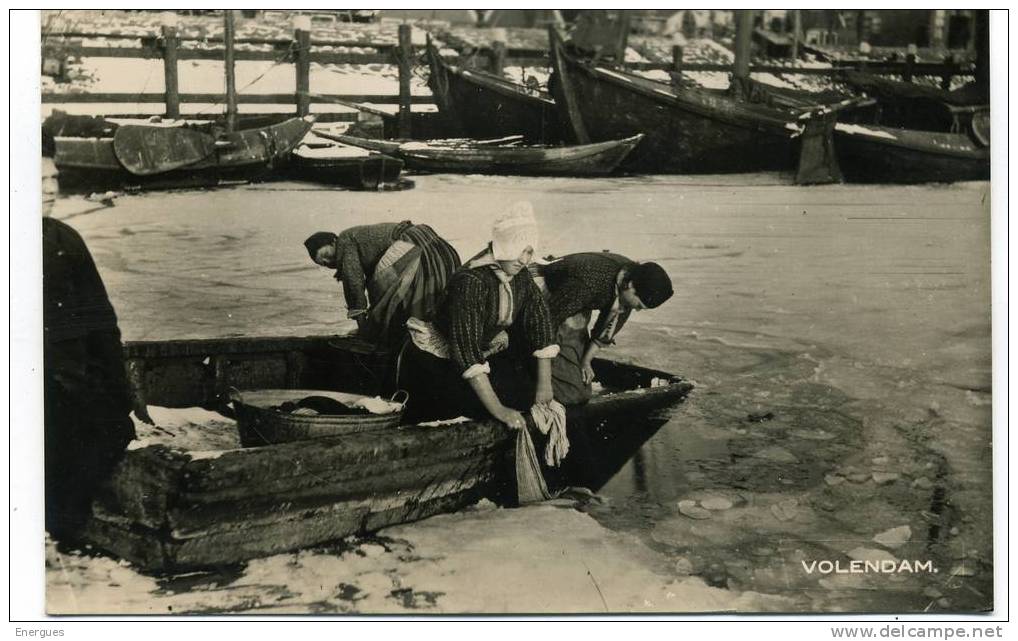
[301, 51]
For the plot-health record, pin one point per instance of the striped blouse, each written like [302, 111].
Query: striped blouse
[468, 317]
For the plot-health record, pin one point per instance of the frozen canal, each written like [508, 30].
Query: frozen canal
[839, 337]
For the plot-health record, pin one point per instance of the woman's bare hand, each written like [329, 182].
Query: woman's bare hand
[513, 419]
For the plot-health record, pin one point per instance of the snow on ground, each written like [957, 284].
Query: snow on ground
[542, 558]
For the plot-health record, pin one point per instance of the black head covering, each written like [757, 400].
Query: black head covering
[652, 284]
[318, 240]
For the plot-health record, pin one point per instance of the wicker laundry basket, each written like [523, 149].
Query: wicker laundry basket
[260, 425]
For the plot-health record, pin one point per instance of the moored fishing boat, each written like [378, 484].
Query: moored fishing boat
[483, 157]
[168, 507]
[160, 156]
[488, 106]
[690, 130]
[868, 153]
[909, 105]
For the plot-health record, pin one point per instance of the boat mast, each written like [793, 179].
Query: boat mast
[231, 82]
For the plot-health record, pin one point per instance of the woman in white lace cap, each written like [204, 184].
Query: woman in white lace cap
[490, 348]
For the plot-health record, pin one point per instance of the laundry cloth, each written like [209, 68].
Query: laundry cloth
[550, 420]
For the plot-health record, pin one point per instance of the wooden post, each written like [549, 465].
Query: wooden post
[743, 41]
[405, 52]
[677, 53]
[945, 80]
[909, 64]
[981, 35]
[170, 41]
[498, 54]
[499, 47]
[231, 80]
[623, 42]
[302, 42]
[796, 32]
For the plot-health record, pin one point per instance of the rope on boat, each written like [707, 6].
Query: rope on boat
[285, 57]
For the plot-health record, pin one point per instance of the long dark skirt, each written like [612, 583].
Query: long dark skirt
[438, 391]
[567, 383]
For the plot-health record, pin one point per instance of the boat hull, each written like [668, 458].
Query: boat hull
[168, 509]
[869, 154]
[92, 163]
[366, 172]
[913, 106]
[490, 107]
[687, 131]
[595, 159]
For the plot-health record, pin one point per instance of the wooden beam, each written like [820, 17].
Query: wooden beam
[302, 40]
[498, 58]
[405, 60]
[170, 71]
[217, 39]
[877, 67]
[623, 41]
[743, 35]
[231, 80]
[677, 55]
[796, 32]
[945, 81]
[207, 98]
[909, 65]
[981, 36]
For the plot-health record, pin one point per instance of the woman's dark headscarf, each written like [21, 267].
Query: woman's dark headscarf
[652, 284]
[318, 240]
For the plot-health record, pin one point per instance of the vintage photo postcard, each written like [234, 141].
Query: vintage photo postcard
[516, 312]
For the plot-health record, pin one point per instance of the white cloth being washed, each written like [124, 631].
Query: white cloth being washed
[551, 421]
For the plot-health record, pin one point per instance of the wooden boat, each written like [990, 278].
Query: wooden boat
[344, 165]
[156, 156]
[481, 157]
[490, 106]
[912, 106]
[868, 153]
[687, 130]
[166, 508]
[61, 123]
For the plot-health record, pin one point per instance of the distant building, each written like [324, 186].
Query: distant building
[951, 28]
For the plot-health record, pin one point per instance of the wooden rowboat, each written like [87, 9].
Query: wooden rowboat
[343, 165]
[159, 156]
[488, 106]
[688, 130]
[480, 157]
[167, 508]
[867, 153]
